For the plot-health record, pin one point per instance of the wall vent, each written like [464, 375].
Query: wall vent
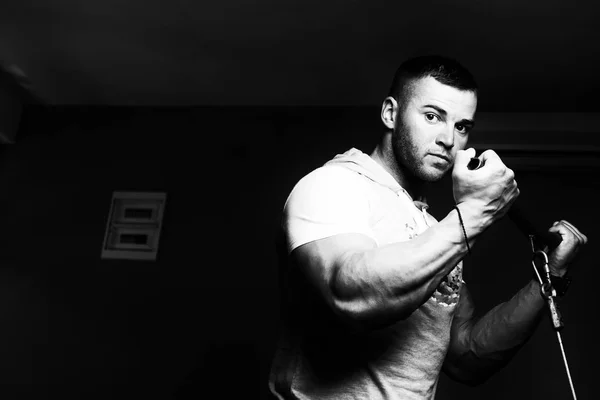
[134, 224]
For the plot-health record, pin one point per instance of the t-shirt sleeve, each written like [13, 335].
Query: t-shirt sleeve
[330, 200]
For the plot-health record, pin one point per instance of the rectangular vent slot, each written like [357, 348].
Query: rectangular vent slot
[134, 225]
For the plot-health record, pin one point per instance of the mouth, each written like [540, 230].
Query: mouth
[443, 157]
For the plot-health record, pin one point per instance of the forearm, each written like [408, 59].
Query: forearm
[381, 285]
[496, 337]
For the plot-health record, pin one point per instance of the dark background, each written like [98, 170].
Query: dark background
[536, 55]
[224, 106]
[202, 321]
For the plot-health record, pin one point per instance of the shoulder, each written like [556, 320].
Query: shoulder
[329, 201]
[327, 182]
[330, 175]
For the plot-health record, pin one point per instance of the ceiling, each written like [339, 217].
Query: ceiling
[535, 56]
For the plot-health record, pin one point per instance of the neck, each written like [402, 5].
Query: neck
[384, 156]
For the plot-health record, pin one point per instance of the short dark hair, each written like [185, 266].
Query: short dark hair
[443, 69]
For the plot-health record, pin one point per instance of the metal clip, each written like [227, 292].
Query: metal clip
[547, 290]
[549, 295]
[545, 283]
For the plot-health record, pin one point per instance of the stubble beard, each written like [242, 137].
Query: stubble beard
[409, 159]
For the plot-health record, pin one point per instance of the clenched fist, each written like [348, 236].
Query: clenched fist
[489, 191]
[572, 239]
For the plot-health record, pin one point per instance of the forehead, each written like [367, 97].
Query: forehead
[428, 91]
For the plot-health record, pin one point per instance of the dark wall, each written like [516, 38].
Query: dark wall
[203, 318]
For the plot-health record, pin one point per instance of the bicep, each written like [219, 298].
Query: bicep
[326, 222]
[319, 261]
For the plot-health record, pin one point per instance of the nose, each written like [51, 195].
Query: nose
[446, 137]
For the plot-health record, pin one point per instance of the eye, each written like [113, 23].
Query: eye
[462, 128]
[431, 117]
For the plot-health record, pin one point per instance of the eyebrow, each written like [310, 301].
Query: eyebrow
[468, 122]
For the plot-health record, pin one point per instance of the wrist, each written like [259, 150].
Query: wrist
[475, 221]
[464, 231]
[559, 284]
[560, 272]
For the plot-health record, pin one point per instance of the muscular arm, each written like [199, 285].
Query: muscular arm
[371, 286]
[374, 286]
[480, 348]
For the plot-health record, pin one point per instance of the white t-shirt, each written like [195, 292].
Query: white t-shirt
[316, 359]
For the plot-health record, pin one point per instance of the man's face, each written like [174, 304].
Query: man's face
[431, 128]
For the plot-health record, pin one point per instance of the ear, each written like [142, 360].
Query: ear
[389, 110]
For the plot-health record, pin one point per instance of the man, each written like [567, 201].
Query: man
[374, 301]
